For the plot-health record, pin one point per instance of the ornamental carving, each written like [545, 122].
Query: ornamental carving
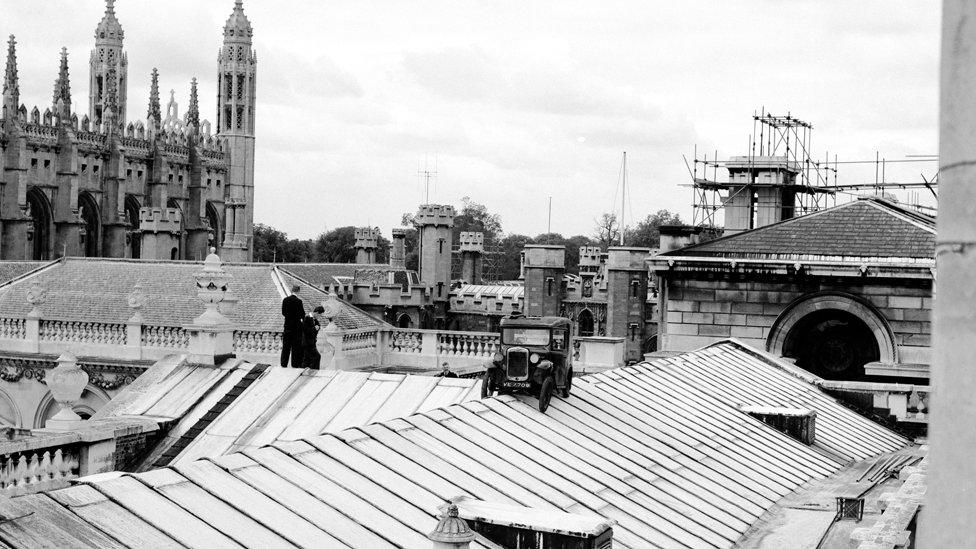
[35, 298]
[108, 382]
[136, 301]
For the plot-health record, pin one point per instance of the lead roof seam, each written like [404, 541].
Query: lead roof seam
[635, 472]
[689, 474]
[487, 434]
[744, 482]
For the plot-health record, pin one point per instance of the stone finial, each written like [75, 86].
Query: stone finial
[67, 382]
[193, 111]
[137, 300]
[11, 86]
[212, 289]
[62, 90]
[451, 531]
[36, 296]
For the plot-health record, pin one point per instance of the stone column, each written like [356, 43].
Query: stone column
[947, 517]
[472, 250]
[544, 266]
[398, 252]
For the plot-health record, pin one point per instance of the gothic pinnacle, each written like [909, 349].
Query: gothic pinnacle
[10, 84]
[62, 89]
[109, 6]
[193, 112]
[155, 115]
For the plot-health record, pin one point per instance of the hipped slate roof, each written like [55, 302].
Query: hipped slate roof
[323, 275]
[869, 228]
[674, 465]
[97, 290]
[10, 270]
[279, 404]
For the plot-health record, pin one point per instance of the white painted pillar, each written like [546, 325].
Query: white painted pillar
[947, 518]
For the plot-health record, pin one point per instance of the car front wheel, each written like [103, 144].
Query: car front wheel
[545, 393]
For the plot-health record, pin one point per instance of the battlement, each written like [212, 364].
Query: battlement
[545, 256]
[160, 220]
[472, 242]
[435, 214]
[627, 259]
[366, 237]
[400, 232]
[590, 256]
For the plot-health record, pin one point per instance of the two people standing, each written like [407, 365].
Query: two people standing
[300, 332]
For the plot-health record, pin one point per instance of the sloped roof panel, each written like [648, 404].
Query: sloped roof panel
[867, 228]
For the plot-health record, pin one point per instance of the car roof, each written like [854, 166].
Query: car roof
[534, 322]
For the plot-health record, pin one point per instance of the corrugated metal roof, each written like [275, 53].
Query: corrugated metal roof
[490, 290]
[660, 448]
[277, 404]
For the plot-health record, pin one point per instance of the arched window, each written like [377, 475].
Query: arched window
[132, 217]
[40, 237]
[585, 323]
[91, 240]
[404, 321]
[213, 219]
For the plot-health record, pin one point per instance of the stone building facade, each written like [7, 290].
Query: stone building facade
[104, 185]
[846, 292]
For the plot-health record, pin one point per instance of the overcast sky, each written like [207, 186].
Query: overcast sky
[517, 100]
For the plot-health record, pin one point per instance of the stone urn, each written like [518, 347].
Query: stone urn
[67, 382]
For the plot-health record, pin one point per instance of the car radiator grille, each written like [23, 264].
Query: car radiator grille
[518, 363]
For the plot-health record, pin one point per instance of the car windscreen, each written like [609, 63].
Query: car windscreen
[525, 336]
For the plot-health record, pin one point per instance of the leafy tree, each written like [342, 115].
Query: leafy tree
[410, 244]
[607, 230]
[510, 248]
[474, 217]
[647, 232]
[336, 246]
[270, 244]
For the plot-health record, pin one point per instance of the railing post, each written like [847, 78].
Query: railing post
[33, 334]
[333, 357]
[383, 337]
[430, 348]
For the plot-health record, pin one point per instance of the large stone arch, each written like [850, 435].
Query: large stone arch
[42, 224]
[837, 301]
[92, 399]
[132, 208]
[213, 219]
[90, 216]
[9, 411]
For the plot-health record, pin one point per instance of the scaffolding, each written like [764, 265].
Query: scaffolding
[780, 161]
[491, 260]
[778, 158]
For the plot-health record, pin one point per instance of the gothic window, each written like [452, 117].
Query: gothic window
[240, 117]
[634, 288]
[111, 56]
[240, 87]
[240, 53]
[230, 86]
[101, 53]
[227, 118]
[98, 84]
[549, 284]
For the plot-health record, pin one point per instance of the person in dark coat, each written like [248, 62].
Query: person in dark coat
[293, 309]
[446, 371]
[310, 334]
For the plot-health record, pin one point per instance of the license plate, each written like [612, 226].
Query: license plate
[516, 384]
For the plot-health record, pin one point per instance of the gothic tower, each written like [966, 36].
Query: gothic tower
[106, 56]
[236, 92]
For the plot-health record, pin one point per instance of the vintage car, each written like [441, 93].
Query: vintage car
[534, 358]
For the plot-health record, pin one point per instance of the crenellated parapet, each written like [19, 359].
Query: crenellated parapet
[437, 215]
[160, 220]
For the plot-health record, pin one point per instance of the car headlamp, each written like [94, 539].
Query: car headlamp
[498, 358]
[534, 358]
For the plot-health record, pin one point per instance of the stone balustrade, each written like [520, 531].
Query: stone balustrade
[38, 470]
[354, 349]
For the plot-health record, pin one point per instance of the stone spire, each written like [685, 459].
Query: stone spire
[193, 111]
[155, 116]
[238, 27]
[11, 87]
[109, 31]
[62, 90]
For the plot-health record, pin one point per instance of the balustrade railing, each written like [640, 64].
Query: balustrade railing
[468, 344]
[360, 340]
[37, 470]
[406, 341]
[257, 342]
[89, 333]
[165, 336]
[13, 328]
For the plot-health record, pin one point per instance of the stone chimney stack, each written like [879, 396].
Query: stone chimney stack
[544, 268]
[366, 244]
[678, 236]
[627, 298]
[398, 251]
[472, 251]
